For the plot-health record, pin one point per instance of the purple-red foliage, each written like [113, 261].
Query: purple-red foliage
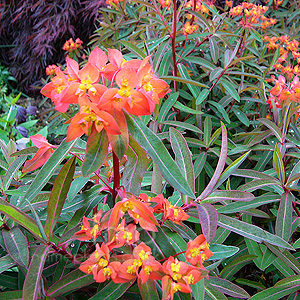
[33, 32]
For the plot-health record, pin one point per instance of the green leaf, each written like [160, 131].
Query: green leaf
[96, 152]
[135, 168]
[6, 262]
[16, 245]
[167, 106]
[281, 289]
[158, 152]
[133, 48]
[184, 73]
[214, 50]
[200, 61]
[12, 170]
[202, 96]
[229, 87]
[222, 251]
[284, 216]
[273, 127]
[19, 217]
[221, 110]
[112, 291]
[58, 196]
[241, 116]
[32, 284]
[279, 165]
[213, 292]
[186, 109]
[48, 169]
[184, 80]
[72, 281]
[220, 166]
[251, 231]
[11, 295]
[182, 125]
[228, 288]
[183, 157]
[148, 290]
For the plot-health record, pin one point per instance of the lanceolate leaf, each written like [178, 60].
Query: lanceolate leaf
[284, 216]
[6, 262]
[183, 157]
[251, 231]
[16, 245]
[135, 168]
[208, 217]
[32, 284]
[220, 166]
[112, 291]
[148, 290]
[273, 127]
[158, 152]
[58, 195]
[96, 152]
[72, 281]
[48, 169]
[281, 289]
[19, 217]
[222, 195]
[228, 288]
[213, 292]
[279, 166]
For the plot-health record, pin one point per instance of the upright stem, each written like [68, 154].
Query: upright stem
[116, 177]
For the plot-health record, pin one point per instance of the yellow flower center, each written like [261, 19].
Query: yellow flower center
[148, 270]
[143, 255]
[148, 87]
[94, 231]
[85, 85]
[107, 272]
[127, 235]
[90, 118]
[126, 206]
[130, 269]
[191, 279]
[137, 263]
[124, 91]
[176, 276]
[176, 288]
[175, 267]
[103, 262]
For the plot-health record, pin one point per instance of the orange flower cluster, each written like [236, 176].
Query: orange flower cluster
[229, 3]
[109, 2]
[132, 87]
[252, 15]
[286, 48]
[70, 45]
[50, 70]
[189, 29]
[140, 263]
[284, 92]
[199, 7]
[165, 3]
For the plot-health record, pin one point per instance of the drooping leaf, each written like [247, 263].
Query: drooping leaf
[16, 245]
[96, 152]
[208, 217]
[32, 284]
[58, 195]
[158, 152]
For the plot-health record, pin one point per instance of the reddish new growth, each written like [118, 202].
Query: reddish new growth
[70, 45]
[120, 226]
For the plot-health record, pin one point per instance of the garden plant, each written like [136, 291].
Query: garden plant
[168, 164]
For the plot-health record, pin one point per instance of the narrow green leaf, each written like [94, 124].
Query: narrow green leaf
[184, 73]
[32, 284]
[112, 291]
[202, 96]
[213, 292]
[182, 125]
[279, 165]
[96, 152]
[184, 80]
[58, 196]
[72, 281]
[48, 169]
[135, 168]
[222, 251]
[158, 152]
[284, 216]
[200, 61]
[19, 217]
[10, 173]
[186, 109]
[133, 48]
[251, 231]
[11, 295]
[167, 106]
[220, 166]
[229, 87]
[148, 290]
[221, 110]
[273, 127]
[16, 245]
[6, 262]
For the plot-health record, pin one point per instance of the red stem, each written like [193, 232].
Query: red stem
[173, 37]
[116, 177]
